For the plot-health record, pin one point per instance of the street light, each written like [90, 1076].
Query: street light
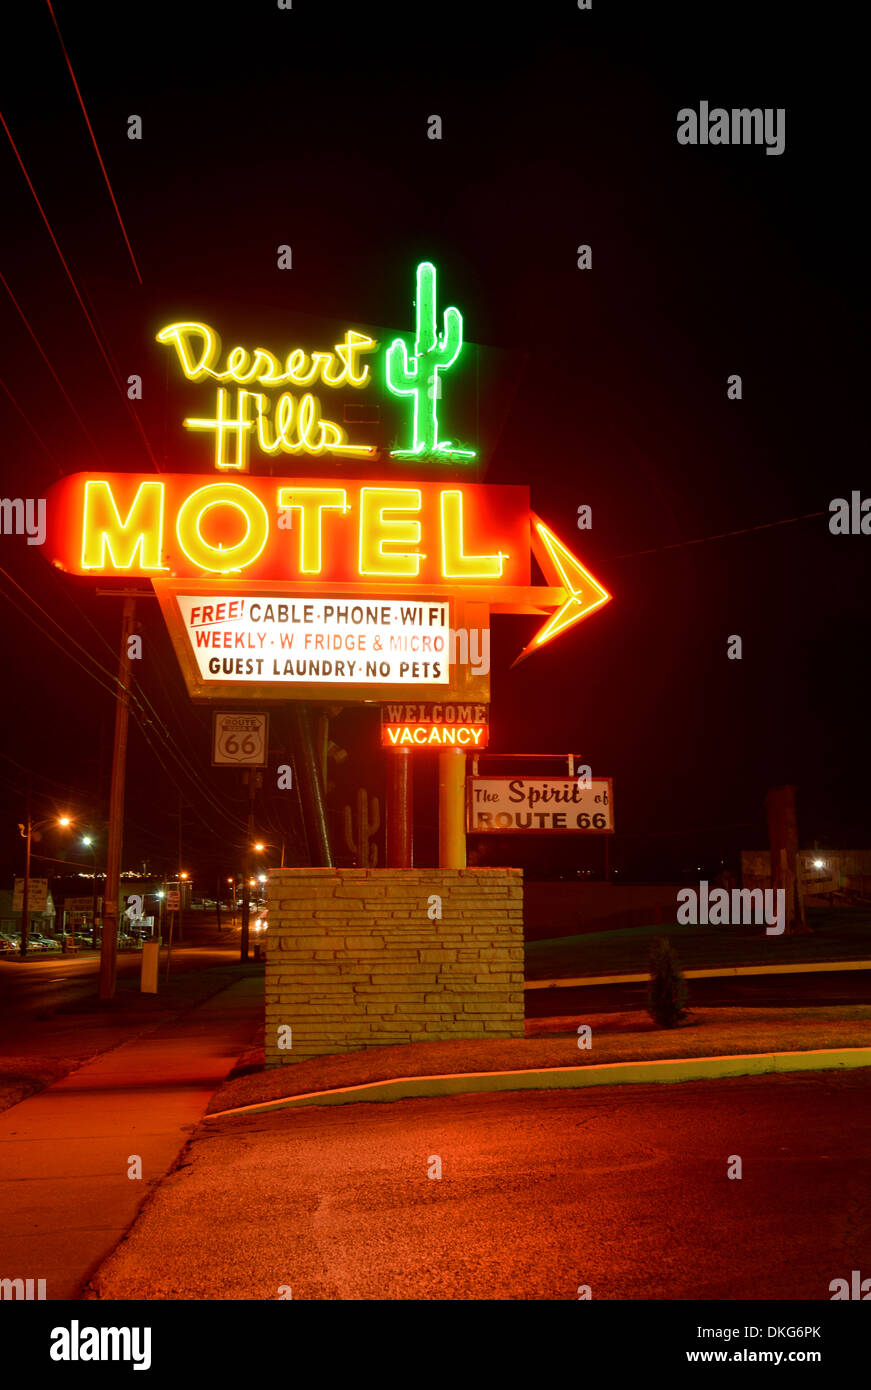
[30, 830]
[88, 842]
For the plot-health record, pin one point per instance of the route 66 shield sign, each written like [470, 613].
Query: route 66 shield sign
[239, 740]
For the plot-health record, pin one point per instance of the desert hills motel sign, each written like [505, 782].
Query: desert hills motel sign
[314, 588]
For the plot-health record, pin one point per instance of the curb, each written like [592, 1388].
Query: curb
[575, 981]
[559, 1078]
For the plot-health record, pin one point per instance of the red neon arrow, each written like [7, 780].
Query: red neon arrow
[561, 567]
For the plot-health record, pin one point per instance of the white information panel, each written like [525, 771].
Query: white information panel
[311, 641]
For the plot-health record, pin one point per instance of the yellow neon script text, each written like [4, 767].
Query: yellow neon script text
[103, 531]
[298, 429]
[296, 426]
[198, 347]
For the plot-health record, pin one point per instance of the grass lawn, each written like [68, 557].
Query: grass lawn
[553, 1042]
[841, 934]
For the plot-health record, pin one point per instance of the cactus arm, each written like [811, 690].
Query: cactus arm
[401, 377]
[451, 340]
[349, 838]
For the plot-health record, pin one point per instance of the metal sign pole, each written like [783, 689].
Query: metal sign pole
[400, 808]
[452, 809]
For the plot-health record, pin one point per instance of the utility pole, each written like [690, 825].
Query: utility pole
[25, 887]
[109, 946]
[251, 777]
[180, 880]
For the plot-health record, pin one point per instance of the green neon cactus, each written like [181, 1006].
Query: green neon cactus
[418, 376]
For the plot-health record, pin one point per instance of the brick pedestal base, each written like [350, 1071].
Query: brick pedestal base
[365, 957]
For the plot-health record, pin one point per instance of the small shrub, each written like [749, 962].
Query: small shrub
[667, 993]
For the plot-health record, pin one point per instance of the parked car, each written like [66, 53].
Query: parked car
[37, 942]
[8, 944]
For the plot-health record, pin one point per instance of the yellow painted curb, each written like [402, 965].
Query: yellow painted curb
[665, 1069]
[802, 968]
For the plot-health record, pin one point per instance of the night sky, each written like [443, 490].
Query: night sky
[309, 127]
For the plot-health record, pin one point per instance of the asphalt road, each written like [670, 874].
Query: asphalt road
[625, 1190]
[38, 986]
[750, 991]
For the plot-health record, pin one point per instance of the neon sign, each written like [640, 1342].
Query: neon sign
[446, 725]
[293, 422]
[363, 533]
[584, 593]
[435, 736]
[297, 425]
[419, 375]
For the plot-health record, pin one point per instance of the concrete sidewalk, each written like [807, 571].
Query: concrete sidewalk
[65, 1195]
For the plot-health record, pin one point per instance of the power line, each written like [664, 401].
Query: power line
[46, 633]
[722, 535]
[83, 306]
[41, 776]
[45, 359]
[31, 427]
[140, 714]
[94, 140]
[139, 693]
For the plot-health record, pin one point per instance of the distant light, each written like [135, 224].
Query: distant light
[259, 848]
[183, 875]
[252, 882]
[63, 820]
[158, 894]
[87, 840]
[819, 864]
[262, 878]
[229, 880]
